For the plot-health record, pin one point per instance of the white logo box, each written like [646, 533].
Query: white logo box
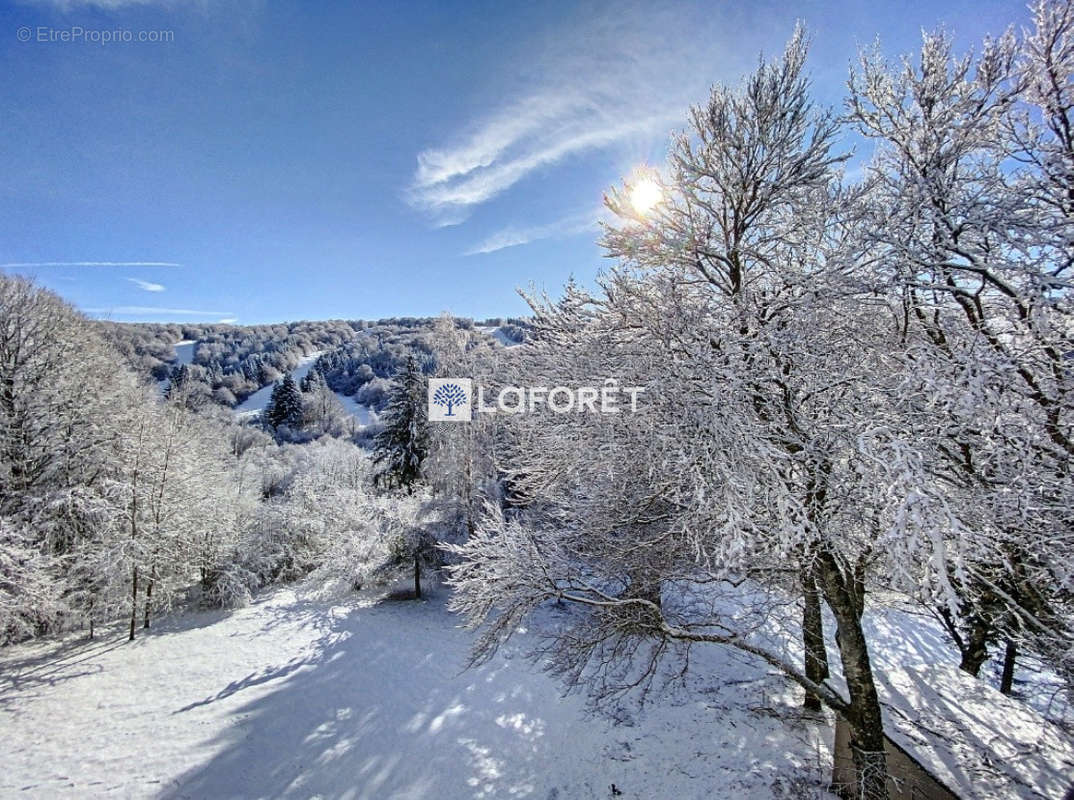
[454, 395]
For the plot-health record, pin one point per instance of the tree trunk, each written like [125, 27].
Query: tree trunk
[134, 602]
[149, 597]
[1006, 683]
[975, 649]
[863, 716]
[816, 655]
[417, 578]
[134, 537]
[844, 592]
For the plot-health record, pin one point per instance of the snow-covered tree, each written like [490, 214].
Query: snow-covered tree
[59, 388]
[326, 520]
[400, 448]
[461, 463]
[743, 301]
[970, 212]
[189, 385]
[399, 452]
[144, 545]
[285, 405]
[110, 497]
[322, 413]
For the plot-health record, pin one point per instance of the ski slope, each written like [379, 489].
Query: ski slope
[184, 354]
[297, 697]
[498, 334]
[259, 400]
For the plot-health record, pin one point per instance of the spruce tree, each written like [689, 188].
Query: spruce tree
[312, 381]
[285, 406]
[400, 448]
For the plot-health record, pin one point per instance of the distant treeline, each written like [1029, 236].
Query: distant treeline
[231, 362]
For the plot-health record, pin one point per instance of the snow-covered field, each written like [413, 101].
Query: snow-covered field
[498, 334]
[256, 403]
[299, 697]
[362, 414]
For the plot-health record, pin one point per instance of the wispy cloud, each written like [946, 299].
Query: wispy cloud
[24, 264]
[147, 285]
[483, 182]
[228, 320]
[108, 5]
[514, 236]
[153, 311]
[619, 75]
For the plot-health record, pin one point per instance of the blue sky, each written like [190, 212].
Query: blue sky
[284, 160]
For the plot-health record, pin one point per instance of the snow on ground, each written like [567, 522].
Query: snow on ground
[901, 637]
[362, 414]
[976, 741]
[295, 697]
[498, 334]
[256, 403]
[184, 351]
[184, 354]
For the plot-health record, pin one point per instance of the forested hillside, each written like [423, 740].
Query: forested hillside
[229, 363]
[120, 499]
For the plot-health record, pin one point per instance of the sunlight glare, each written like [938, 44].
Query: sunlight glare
[645, 195]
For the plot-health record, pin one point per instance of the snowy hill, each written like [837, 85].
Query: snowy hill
[184, 354]
[295, 697]
[256, 403]
[497, 332]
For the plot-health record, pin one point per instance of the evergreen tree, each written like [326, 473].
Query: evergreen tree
[285, 406]
[400, 448]
[313, 380]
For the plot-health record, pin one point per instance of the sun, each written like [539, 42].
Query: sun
[645, 194]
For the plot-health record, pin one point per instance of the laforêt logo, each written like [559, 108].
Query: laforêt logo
[453, 399]
[449, 399]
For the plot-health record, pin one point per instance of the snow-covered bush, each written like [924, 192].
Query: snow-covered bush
[323, 520]
[374, 392]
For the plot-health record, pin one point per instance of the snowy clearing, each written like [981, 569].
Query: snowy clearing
[294, 697]
[256, 403]
[362, 414]
[498, 334]
[184, 354]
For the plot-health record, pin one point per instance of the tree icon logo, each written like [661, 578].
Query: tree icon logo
[449, 399]
[450, 395]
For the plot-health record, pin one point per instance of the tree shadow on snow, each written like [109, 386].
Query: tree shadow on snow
[253, 679]
[53, 664]
[57, 658]
[383, 710]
